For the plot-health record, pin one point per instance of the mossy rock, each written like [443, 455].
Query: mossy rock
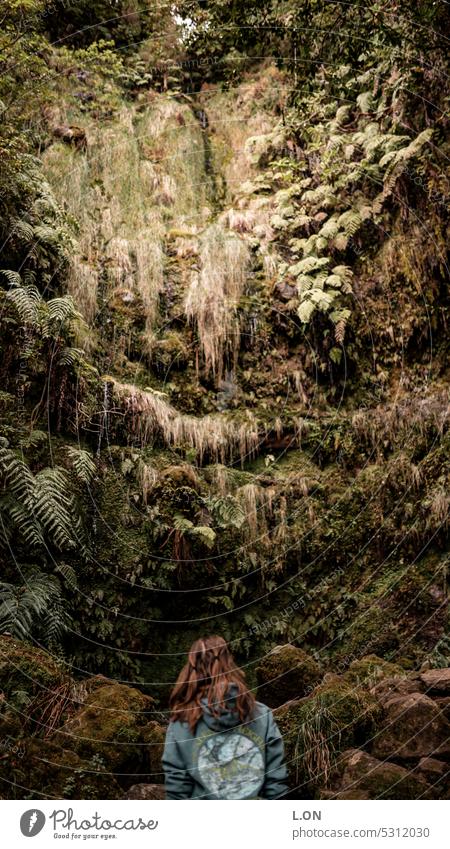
[361, 776]
[371, 669]
[413, 727]
[317, 728]
[42, 768]
[180, 475]
[153, 735]
[169, 353]
[110, 725]
[286, 673]
[26, 668]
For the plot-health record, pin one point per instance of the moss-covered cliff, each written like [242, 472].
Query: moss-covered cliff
[224, 313]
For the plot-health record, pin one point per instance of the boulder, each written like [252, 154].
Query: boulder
[286, 673]
[433, 770]
[317, 728]
[443, 703]
[358, 775]
[413, 727]
[437, 681]
[153, 736]
[371, 669]
[42, 769]
[146, 791]
[26, 668]
[115, 724]
[385, 689]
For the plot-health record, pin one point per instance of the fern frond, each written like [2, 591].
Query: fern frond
[22, 229]
[26, 300]
[16, 475]
[13, 277]
[83, 463]
[69, 575]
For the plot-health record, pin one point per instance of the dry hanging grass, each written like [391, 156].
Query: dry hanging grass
[213, 295]
[149, 417]
[252, 499]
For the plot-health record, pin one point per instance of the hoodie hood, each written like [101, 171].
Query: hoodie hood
[229, 716]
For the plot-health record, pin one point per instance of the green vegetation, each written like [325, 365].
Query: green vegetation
[224, 347]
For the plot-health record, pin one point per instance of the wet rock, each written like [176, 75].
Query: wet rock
[437, 680]
[146, 791]
[286, 673]
[361, 776]
[111, 724]
[413, 727]
[286, 291]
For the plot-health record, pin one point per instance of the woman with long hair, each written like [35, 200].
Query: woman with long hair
[220, 743]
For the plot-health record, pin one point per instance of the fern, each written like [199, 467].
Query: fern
[36, 604]
[22, 229]
[52, 507]
[350, 221]
[38, 508]
[13, 277]
[226, 511]
[83, 464]
[35, 438]
[69, 575]
[26, 300]
[186, 527]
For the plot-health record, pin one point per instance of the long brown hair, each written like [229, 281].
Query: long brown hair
[209, 671]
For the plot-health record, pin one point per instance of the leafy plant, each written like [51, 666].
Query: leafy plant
[36, 605]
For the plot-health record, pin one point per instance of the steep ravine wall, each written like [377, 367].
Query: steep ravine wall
[239, 469]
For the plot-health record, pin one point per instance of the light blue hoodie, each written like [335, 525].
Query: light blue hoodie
[224, 758]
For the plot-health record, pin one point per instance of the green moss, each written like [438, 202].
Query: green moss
[26, 668]
[109, 724]
[316, 728]
[43, 769]
[370, 669]
[286, 673]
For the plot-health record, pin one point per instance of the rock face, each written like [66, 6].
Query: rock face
[361, 776]
[286, 673]
[413, 727]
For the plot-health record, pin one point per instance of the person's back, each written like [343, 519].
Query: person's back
[220, 743]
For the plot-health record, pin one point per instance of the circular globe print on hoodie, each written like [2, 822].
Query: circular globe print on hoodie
[231, 765]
